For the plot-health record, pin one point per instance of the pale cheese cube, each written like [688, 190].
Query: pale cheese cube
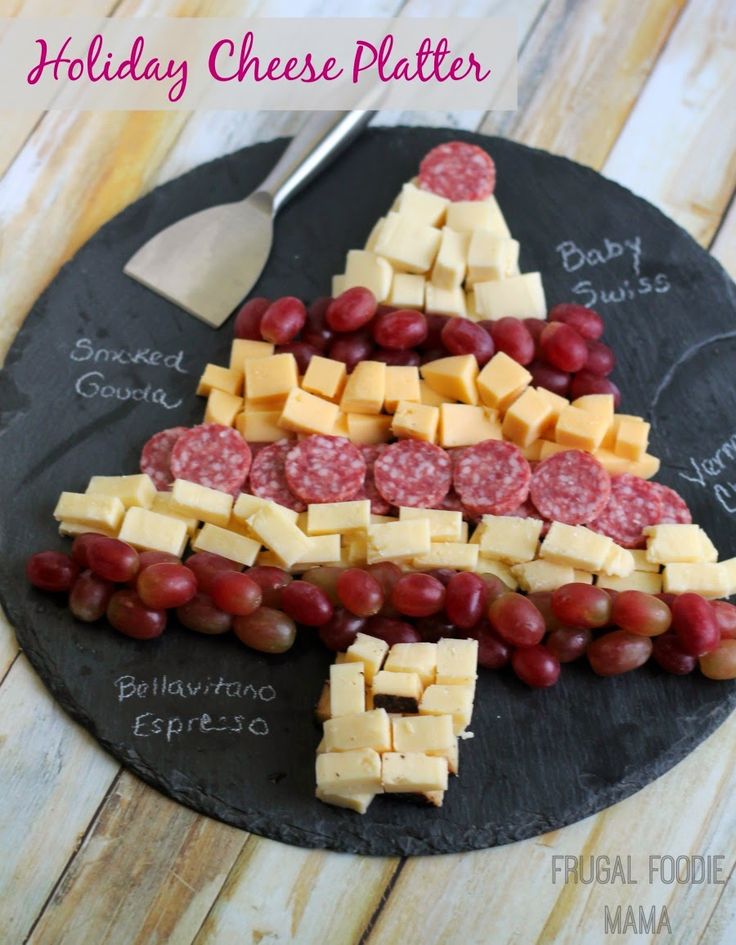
[367, 269]
[306, 413]
[441, 301]
[222, 408]
[454, 377]
[430, 734]
[368, 428]
[279, 533]
[407, 245]
[519, 296]
[396, 692]
[510, 539]
[192, 500]
[325, 377]
[365, 390]
[527, 418]
[100, 511]
[259, 426]
[710, 552]
[448, 554]
[457, 662]
[501, 381]
[415, 421]
[220, 541]
[541, 575]
[72, 529]
[131, 490]
[641, 562]
[347, 689]
[413, 773]
[456, 701]
[398, 541]
[646, 581]
[269, 380]
[583, 577]
[246, 505]
[338, 285]
[242, 348]
[670, 543]
[369, 652]
[707, 579]
[466, 425]
[469, 215]
[448, 271]
[225, 379]
[444, 525]
[407, 290]
[576, 546]
[619, 563]
[338, 517]
[499, 569]
[354, 772]
[491, 257]
[162, 503]
[359, 803]
[322, 549]
[150, 531]
[423, 207]
[419, 658]
[366, 730]
[370, 243]
[580, 429]
[728, 573]
[402, 383]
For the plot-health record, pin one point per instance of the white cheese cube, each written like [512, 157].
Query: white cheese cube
[407, 290]
[396, 692]
[443, 525]
[540, 575]
[338, 517]
[359, 803]
[576, 546]
[369, 652]
[491, 257]
[354, 772]
[247, 505]
[367, 269]
[707, 579]
[322, 549]
[441, 301]
[419, 658]
[672, 543]
[408, 246]
[510, 539]
[448, 271]
[448, 554]
[457, 662]
[641, 562]
[365, 730]
[619, 563]
[413, 773]
[646, 581]
[150, 531]
[220, 541]
[501, 571]
[430, 734]
[99, 511]
[423, 207]
[456, 701]
[521, 296]
[279, 533]
[468, 215]
[398, 541]
[162, 503]
[194, 501]
[72, 529]
[131, 490]
[347, 689]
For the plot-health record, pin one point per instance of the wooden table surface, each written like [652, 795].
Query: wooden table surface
[642, 90]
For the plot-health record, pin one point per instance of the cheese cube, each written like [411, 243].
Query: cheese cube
[466, 425]
[548, 449]
[669, 543]
[407, 290]
[247, 505]
[457, 662]
[632, 438]
[707, 579]
[491, 257]
[583, 577]
[646, 581]
[368, 428]
[619, 563]
[72, 529]
[338, 517]
[222, 408]
[540, 575]
[131, 490]
[338, 285]
[641, 562]
[100, 511]
[162, 504]
[418, 658]
[398, 541]
[220, 541]
[322, 549]
[556, 402]
[442, 301]
[363, 268]
[577, 546]
[416, 421]
[150, 531]
[424, 208]
[407, 245]
[454, 377]
[305, 413]
[347, 689]
[242, 348]
[448, 554]
[601, 405]
[369, 652]
[366, 730]
[469, 215]
[429, 734]
[341, 425]
[499, 569]
[431, 397]
[520, 296]
[365, 389]
[501, 381]
[355, 549]
[279, 533]
[259, 426]
[370, 243]
[396, 692]
[728, 573]
[456, 701]
[645, 467]
[269, 380]
[613, 464]
[325, 377]
[580, 429]
[443, 525]
[533, 452]
[194, 501]
[215, 377]
[413, 773]
[510, 539]
[359, 803]
[448, 271]
[402, 383]
[354, 772]
[710, 552]
[527, 418]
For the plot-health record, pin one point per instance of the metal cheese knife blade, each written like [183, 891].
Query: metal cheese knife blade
[209, 261]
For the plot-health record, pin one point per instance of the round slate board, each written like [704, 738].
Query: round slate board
[231, 732]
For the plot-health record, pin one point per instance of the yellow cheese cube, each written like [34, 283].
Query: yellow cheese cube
[398, 541]
[708, 579]
[306, 413]
[194, 501]
[419, 658]
[368, 428]
[465, 425]
[583, 577]
[72, 529]
[215, 377]
[647, 581]
[527, 418]
[442, 301]
[454, 377]
[407, 290]
[402, 383]
[322, 549]
[645, 467]
[431, 397]
[501, 381]
[556, 403]
[540, 575]
[499, 569]
[491, 257]
[101, 511]
[641, 562]
[247, 505]
[602, 406]
[363, 268]
[416, 421]
[510, 539]
[520, 296]
[670, 543]
[457, 662]
[469, 215]
[150, 531]
[338, 517]
[396, 692]
[162, 503]
[407, 245]
[443, 525]
[612, 463]
[365, 389]
[220, 541]
[423, 207]
[632, 438]
[456, 701]
[341, 425]
[269, 380]
[259, 426]
[279, 534]
[448, 554]
[619, 563]
[325, 377]
[370, 243]
[580, 429]
[413, 773]
[243, 348]
[448, 271]
[365, 730]
[222, 408]
[549, 449]
[533, 452]
[131, 490]
[357, 772]
[577, 546]
[369, 652]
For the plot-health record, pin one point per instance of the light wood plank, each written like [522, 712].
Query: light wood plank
[724, 246]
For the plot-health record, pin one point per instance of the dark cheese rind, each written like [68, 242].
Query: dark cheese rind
[395, 704]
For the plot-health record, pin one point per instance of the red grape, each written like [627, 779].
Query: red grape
[303, 353]
[435, 324]
[431, 354]
[201, 615]
[493, 652]
[536, 666]
[568, 643]
[271, 581]
[129, 615]
[326, 579]
[206, 566]
[248, 319]
[585, 383]
[666, 598]
[720, 663]
[80, 547]
[283, 320]
[618, 652]
[51, 571]
[113, 560]
[494, 586]
[360, 592]
[550, 378]
[166, 585]
[147, 558]
[584, 320]
[668, 653]
[236, 593]
[461, 336]
[316, 331]
[351, 348]
[401, 357]
[442, 574]
[340, 630]
[392, 631]
[418, 595]
[542, 600]
[266, 630]
[306, 603]
[516, 620]
[387, 574]
[695, 624]
[562, 347]
[434, 628]
[535, 327]
[465, 599]
[725, 615]
[90, 596]
[403, 328]
[601, 359]
[581, 605]
[351, 309]
[512, 336]
[641, 613]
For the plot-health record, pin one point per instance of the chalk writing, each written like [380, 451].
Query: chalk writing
[703, 471]
[149, 725]
[575, 258]
[131, 687]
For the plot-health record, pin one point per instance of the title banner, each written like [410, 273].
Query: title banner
[258, 63]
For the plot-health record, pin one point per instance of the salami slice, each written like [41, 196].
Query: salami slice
[379, 506]
[570, 487]
[325, 469]
[458, 171]
[634, 503]
[212, 455]
[156, 456]
[492, 477]
[674, 507]
[451, 503]
[268, 477]
[413, 473]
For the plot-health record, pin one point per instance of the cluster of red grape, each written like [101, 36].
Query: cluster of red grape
[535, 634]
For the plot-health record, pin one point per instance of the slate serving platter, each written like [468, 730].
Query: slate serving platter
[101, 364]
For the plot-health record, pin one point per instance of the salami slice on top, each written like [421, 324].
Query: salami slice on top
[156, 456]
[413, 473]
[325, 469]
[379, 506]
[674, 508]
[634, 503]
[268, 476]
[570, 487]
[491, 478]
[212, 455]
[458, 171]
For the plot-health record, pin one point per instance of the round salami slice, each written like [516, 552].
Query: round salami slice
[156, 456]
[458, 171]
[212, 455]
[570, 487]
[325, 469]
[268, 477]
[674, 507]
[451, 503]
[492, 478]
[413, 473]
[379, 506]
[634, 503]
